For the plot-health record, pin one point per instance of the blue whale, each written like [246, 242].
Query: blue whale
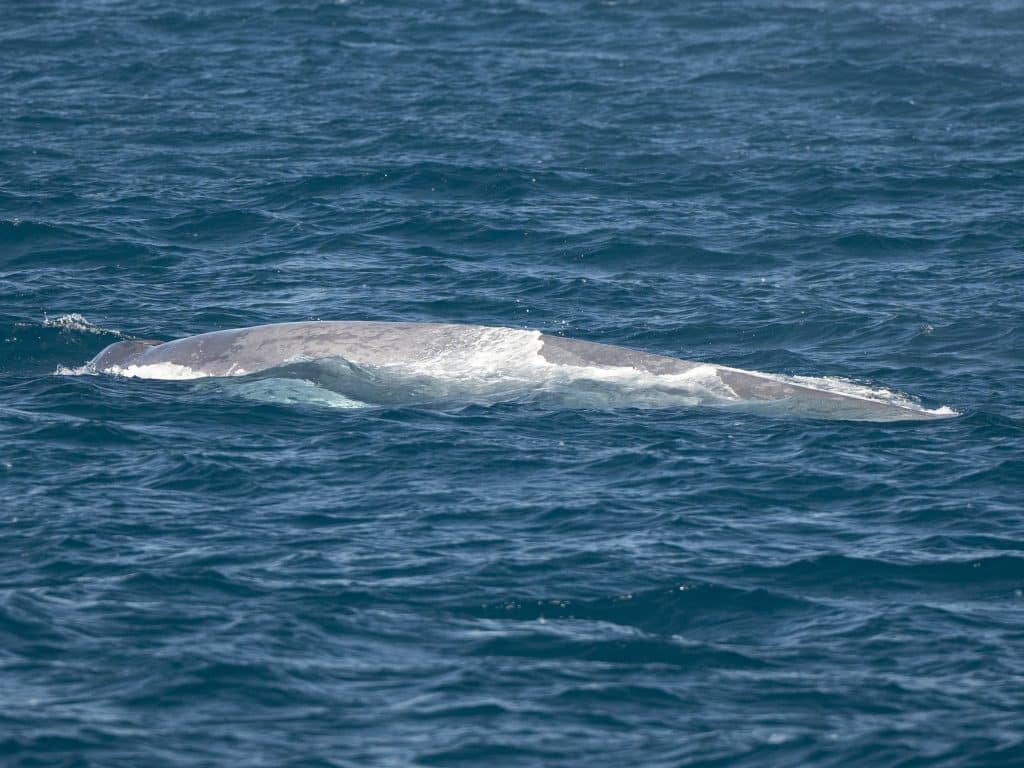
[454, 350]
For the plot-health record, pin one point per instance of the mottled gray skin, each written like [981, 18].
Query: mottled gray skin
[251, 350]
[121, 353]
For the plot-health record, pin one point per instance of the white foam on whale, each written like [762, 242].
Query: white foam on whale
[155, 371]
[505, 365]
[850, 388]
[158, 371]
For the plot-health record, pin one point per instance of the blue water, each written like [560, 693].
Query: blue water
[194, 574]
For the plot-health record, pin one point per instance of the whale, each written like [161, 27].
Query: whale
[459, 352]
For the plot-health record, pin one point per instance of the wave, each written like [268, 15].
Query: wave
[864, 574]
[664, 610]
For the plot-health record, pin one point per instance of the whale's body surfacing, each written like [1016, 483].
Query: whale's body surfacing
[474, 362]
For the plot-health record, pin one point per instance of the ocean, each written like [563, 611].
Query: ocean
[281, 570]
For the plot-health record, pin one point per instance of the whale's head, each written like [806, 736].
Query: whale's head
[122, 354]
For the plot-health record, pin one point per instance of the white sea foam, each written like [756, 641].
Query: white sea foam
[81, 370]
[505, 364]
[849, 388]
[491, 353]
[501, 353]
[502, 361]
[76, 322]
[161, 371]
[158, 371]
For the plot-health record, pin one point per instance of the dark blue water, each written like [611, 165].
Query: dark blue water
[202, 575]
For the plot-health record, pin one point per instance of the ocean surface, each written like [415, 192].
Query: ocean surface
[275, 571]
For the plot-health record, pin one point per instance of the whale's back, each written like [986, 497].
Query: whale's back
[479, 360]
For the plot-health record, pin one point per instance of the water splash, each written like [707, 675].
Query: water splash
[73, 321]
